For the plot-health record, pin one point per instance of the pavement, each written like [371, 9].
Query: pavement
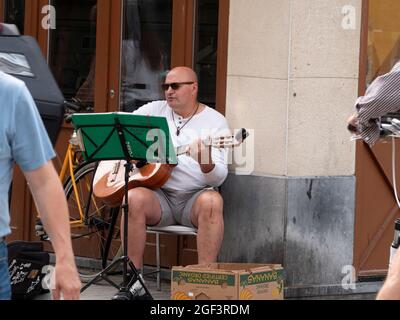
[104, 291]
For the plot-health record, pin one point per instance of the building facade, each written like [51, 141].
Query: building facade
[290, 70]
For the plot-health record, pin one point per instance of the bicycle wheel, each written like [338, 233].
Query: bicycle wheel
[100, 222]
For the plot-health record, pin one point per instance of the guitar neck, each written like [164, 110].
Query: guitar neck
[222, 142]
[182, 149]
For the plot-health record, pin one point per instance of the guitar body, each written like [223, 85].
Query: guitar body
[109, 181]
[109, 185]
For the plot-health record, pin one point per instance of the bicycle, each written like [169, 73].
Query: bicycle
[94, 227]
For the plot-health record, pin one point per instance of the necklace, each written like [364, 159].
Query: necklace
[179, 129]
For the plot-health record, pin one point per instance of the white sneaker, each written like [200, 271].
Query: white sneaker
[137, 290]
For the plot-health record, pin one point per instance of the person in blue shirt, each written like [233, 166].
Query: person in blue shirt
[24, 141]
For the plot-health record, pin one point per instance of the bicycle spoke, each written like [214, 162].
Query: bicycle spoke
[89, 237]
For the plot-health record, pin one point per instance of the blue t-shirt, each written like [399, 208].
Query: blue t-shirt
[23, 139]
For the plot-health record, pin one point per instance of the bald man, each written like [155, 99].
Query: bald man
[189, 197]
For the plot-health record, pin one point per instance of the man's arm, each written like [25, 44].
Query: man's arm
[391, 287]
[50, 200]
[382, 97]
[214, 168]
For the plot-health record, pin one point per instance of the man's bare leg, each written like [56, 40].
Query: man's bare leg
[207, 215]
[144, 209]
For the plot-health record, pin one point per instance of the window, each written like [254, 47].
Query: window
[205, 53]
[14, 13]
[73, 48]
[146, 51]
[383, 37]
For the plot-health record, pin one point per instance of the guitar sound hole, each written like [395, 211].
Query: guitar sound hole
[141, 164]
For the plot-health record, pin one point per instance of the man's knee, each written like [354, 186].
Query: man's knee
[139, 200]
[210, 199]
[210, 205]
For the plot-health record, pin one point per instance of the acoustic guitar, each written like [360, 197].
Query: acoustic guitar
[109, 181]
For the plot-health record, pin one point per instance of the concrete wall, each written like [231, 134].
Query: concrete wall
[305, 224]
[257, 93]
[293, 78]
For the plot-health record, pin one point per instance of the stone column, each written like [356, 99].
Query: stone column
[293, 78]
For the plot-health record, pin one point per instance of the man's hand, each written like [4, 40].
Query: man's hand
[391, 288]
[202, 154]
[50, 200]
[67, 282]
[352, 122]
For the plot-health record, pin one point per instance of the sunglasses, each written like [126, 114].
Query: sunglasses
[174, 86]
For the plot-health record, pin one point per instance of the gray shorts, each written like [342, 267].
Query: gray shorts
[177, 206]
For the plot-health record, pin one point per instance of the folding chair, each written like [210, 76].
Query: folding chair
[175, 230]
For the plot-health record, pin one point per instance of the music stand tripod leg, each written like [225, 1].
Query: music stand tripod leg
[124, 292]
[127, 263]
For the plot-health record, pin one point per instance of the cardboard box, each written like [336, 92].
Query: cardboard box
[227, 281]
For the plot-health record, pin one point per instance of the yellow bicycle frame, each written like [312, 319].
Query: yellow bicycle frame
[67, 164]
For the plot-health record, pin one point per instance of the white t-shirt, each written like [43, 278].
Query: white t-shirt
[187, 175]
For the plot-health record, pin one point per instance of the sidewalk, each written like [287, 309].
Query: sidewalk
[104, 291]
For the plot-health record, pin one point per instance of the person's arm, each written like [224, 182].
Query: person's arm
[211, 162]
[216, 173]
[391, 287]
[381, 98]
[50, 200]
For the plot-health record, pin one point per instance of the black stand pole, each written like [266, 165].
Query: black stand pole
[123, 293]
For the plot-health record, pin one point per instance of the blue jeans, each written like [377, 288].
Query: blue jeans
[5, 287]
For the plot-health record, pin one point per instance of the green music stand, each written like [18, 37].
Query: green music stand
[117, 136]
[100, 138]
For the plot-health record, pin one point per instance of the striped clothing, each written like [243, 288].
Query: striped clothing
[382, 97]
